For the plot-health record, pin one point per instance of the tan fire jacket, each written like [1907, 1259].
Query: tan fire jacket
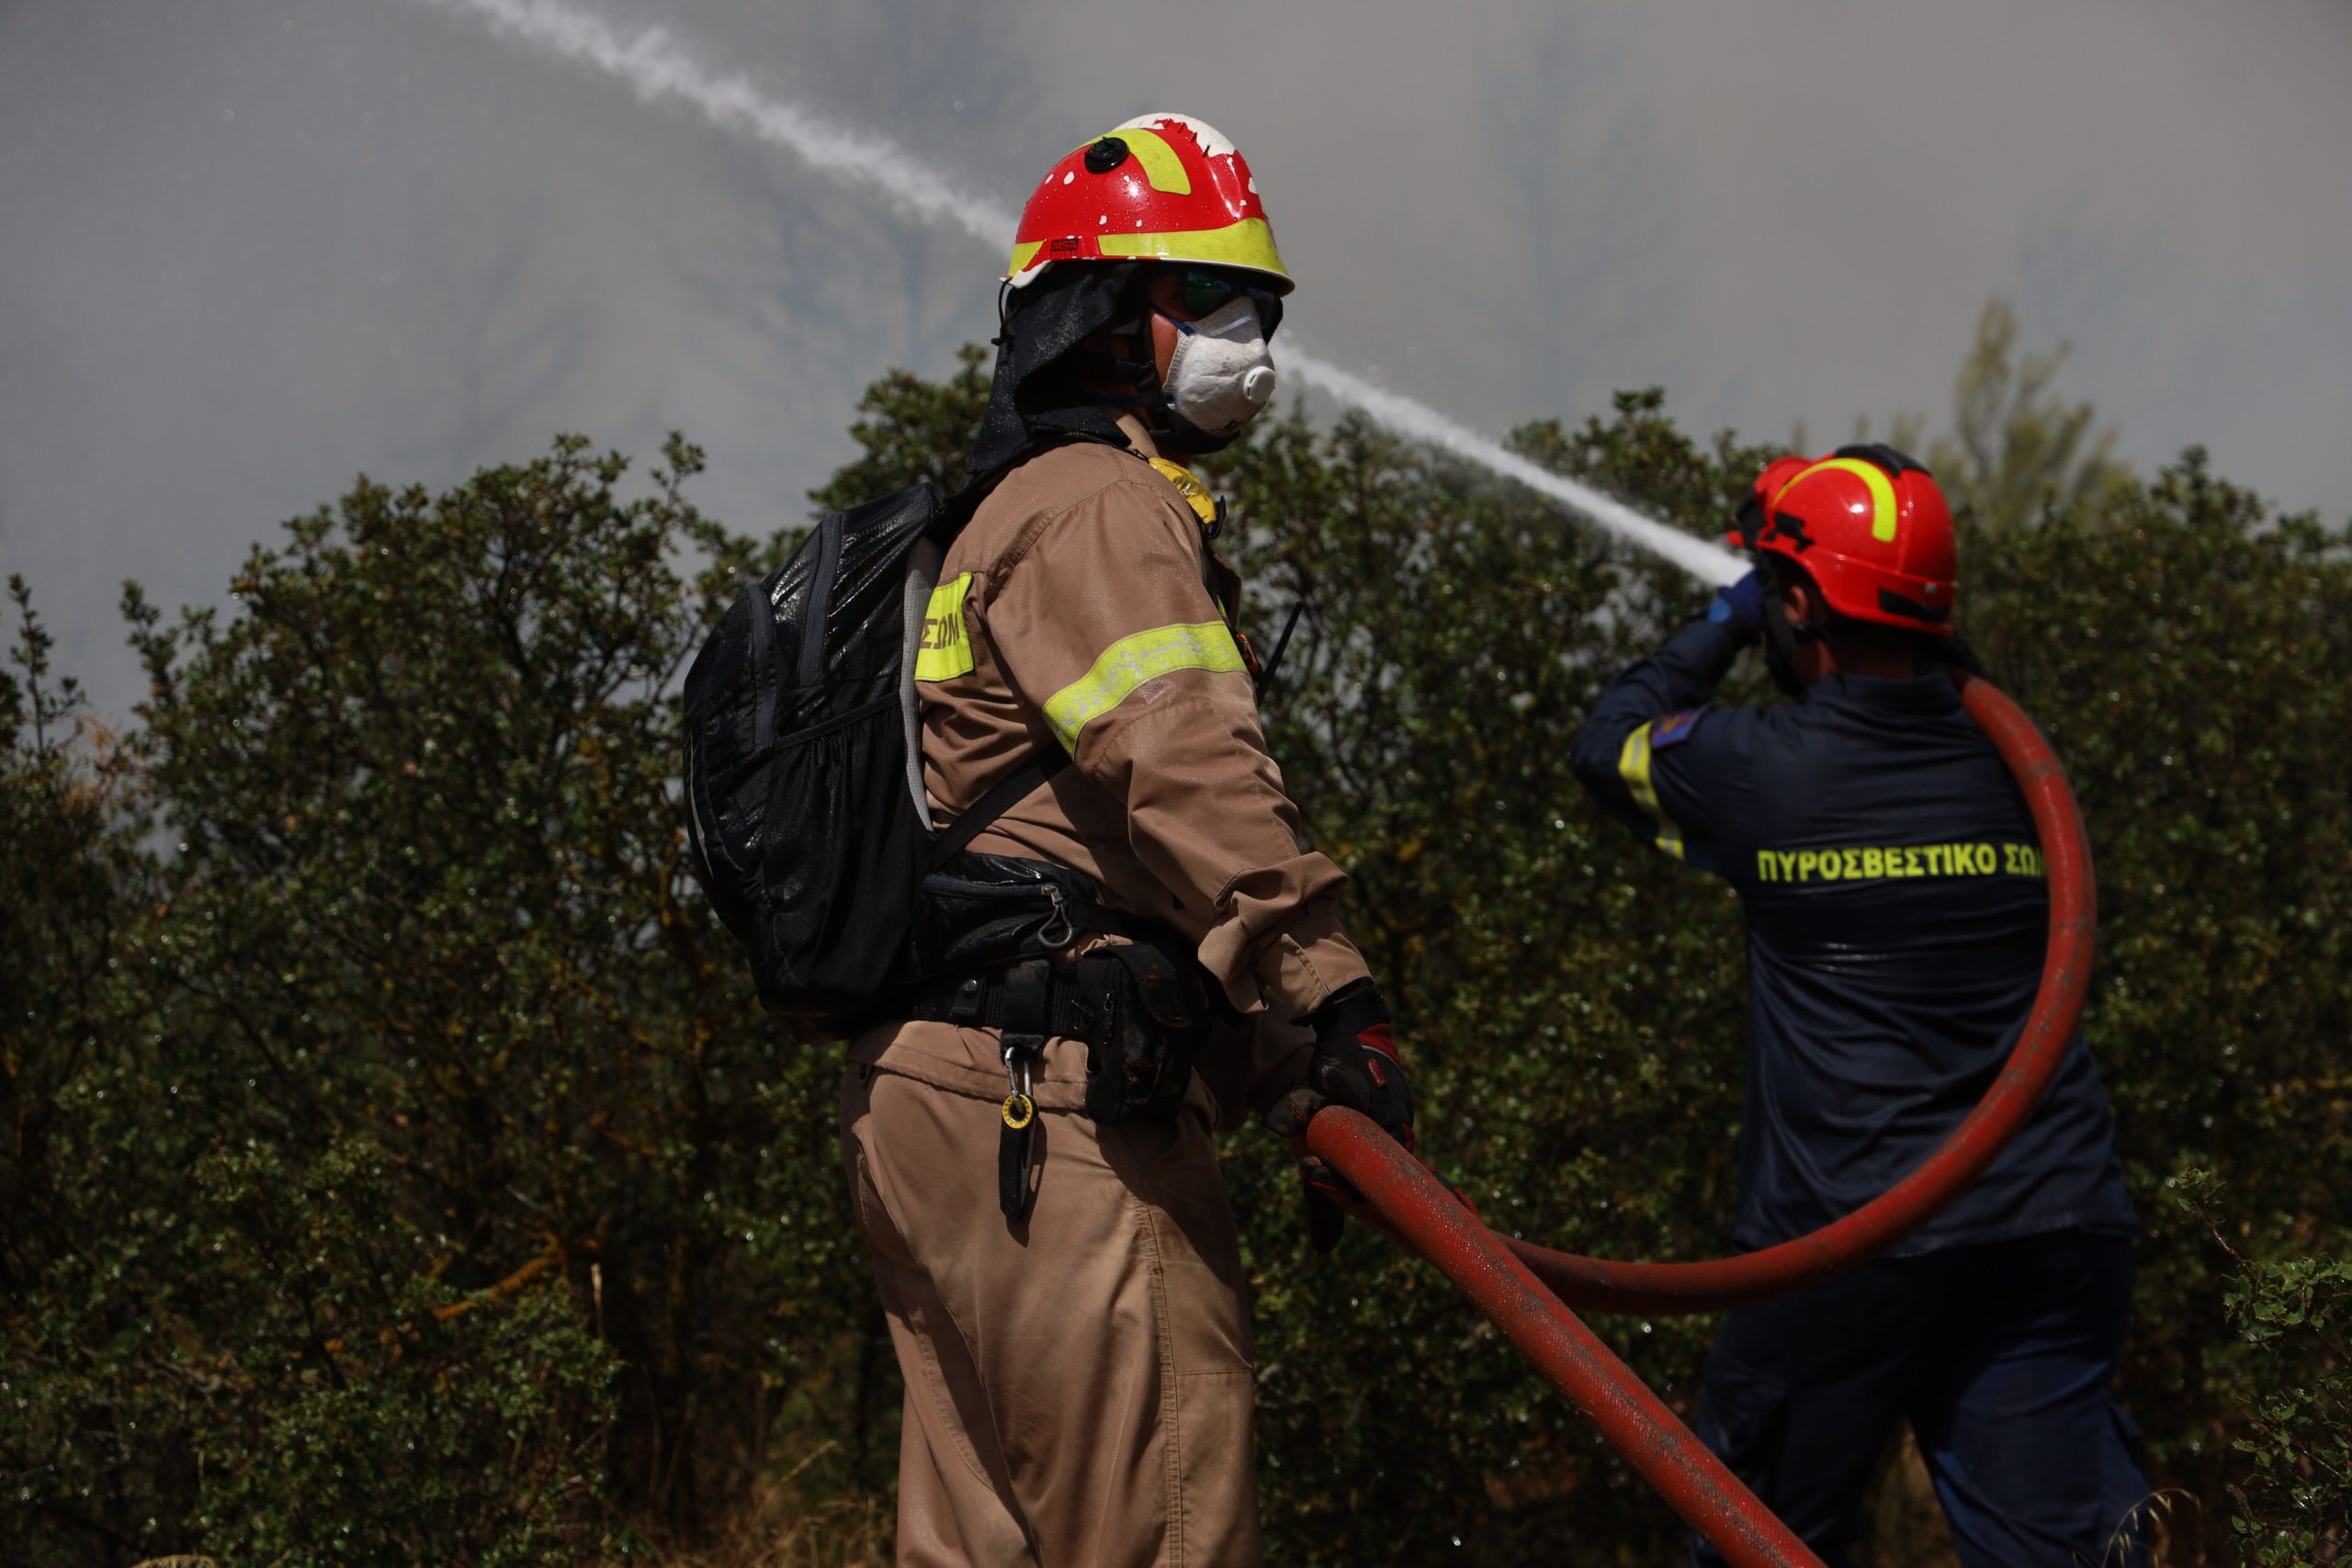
[1073, 610]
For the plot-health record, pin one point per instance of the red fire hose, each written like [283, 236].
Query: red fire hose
[1416, 1208]
[1507, 1279]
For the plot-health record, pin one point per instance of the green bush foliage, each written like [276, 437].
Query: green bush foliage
[414, 1178]
[397, 1168]
[2295, 1505]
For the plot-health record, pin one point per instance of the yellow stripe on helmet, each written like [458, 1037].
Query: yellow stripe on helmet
[1130, 664]
[1160, 165]
[1883, 508]
[1634, 767]
[1250, 243]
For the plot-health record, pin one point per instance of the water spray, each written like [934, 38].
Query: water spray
[1529, 1291]
[658, 68]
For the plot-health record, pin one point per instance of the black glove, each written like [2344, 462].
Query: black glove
[1354, 1065]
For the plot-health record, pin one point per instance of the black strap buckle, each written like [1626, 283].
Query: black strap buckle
[1025, 994]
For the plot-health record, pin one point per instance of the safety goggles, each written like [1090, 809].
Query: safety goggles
[1207, 292]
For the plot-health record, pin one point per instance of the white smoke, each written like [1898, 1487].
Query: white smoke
[659, 69]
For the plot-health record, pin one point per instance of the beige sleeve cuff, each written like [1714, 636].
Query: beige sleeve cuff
[1276, 934]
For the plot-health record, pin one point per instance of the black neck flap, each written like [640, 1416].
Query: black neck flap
[1039, 397]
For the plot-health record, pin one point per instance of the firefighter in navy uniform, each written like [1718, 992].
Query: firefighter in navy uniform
[1896, 914]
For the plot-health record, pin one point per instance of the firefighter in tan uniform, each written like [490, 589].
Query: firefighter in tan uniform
[1124, 944]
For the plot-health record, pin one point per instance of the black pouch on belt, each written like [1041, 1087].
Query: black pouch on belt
[1148, 1018]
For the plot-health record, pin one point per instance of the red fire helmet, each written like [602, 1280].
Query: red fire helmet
[1870, 527]
[1161, 188]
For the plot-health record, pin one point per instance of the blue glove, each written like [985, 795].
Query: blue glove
[1740, 605]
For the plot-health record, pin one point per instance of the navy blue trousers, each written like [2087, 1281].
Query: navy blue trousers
[2001, 1356]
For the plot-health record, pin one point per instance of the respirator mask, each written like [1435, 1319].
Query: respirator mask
[1221, 373]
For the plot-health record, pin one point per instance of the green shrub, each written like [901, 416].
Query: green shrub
[417, 1179]
[398, 1169]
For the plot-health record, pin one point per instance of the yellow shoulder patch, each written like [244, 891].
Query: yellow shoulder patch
[946, 650]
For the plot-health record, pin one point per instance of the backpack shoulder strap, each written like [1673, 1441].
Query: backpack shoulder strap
[1001, 797]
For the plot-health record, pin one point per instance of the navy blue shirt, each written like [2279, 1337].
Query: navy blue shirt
[1896, 915]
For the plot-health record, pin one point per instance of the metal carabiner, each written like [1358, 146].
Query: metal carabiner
[1021, 1105]
[1056, 933]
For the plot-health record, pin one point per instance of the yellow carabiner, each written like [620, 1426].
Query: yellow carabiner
[1019, 1111]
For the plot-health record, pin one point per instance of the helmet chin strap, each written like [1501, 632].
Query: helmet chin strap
[1784, 636]
[1139, 368]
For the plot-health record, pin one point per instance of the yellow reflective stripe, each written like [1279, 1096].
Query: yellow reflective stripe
[1188, 484]
[1021, 255]
[1633, 765]
[946, 650]
[1130, 662]
[1250, 243]
[1160, 165]
[1882, 505]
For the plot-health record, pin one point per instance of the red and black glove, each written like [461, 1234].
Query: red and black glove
[1354, 1065]
[1355, 1060]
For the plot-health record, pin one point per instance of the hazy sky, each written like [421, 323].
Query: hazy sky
[250, 249]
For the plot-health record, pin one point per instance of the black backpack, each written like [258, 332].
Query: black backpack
[804, 787]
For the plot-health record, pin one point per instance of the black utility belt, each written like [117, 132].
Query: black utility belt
[1142, 1011]
[1034, 997]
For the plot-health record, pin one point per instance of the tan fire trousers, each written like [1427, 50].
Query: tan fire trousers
[1079, 1384]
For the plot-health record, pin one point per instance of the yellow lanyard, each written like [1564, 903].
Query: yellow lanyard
[1196, 496]
[1188, 485]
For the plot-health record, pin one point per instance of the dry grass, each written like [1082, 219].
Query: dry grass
[2156, 1509]
[1905, 1527]
[781, 1527]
